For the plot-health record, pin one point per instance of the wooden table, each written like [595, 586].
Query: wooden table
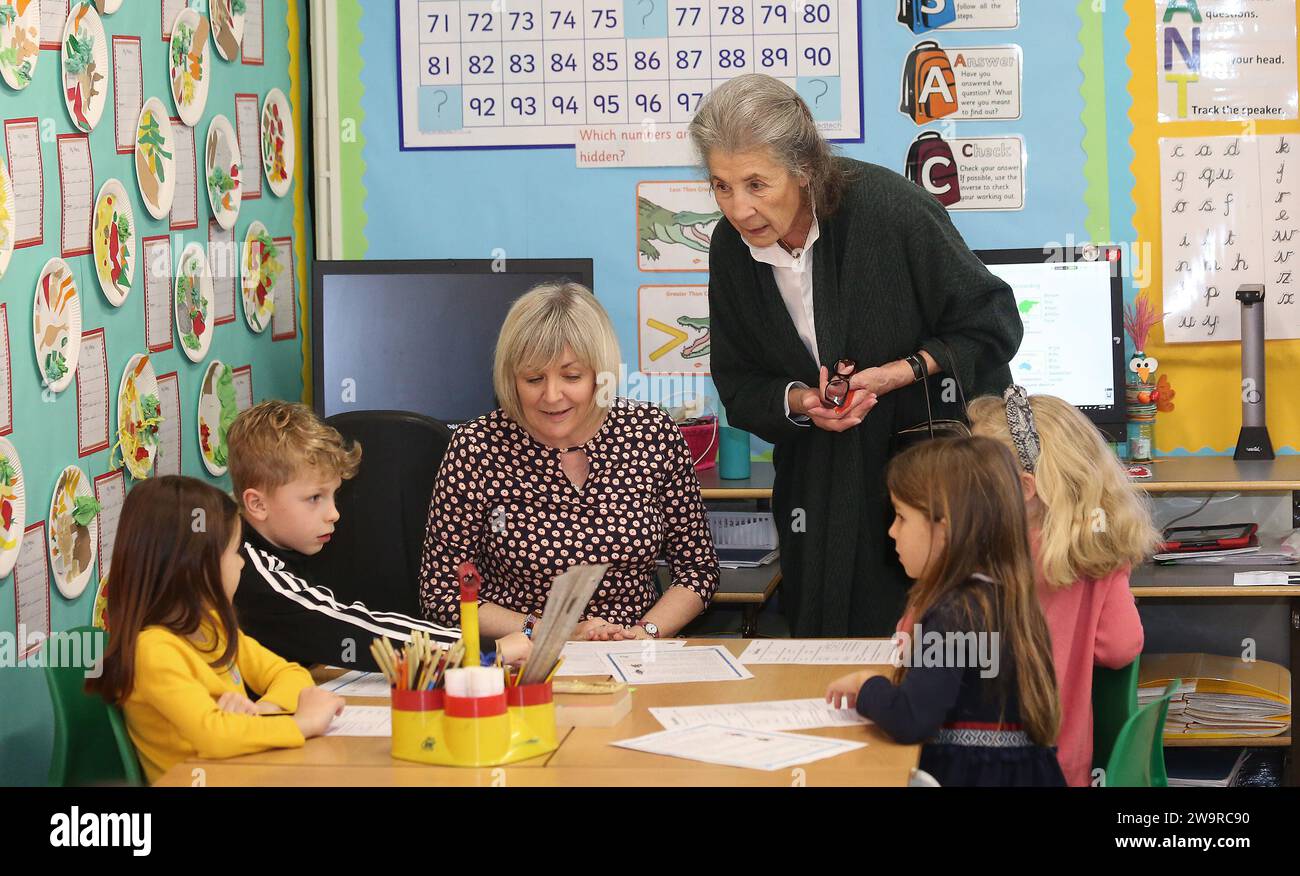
[882, 762]
[1184, 474]
[584, 756]
[757, 486]
[1170, 476]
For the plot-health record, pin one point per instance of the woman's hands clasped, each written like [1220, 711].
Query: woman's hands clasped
[597, 630]
[811, 403]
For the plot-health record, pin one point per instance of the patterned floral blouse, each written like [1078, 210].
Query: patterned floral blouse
[502, 500]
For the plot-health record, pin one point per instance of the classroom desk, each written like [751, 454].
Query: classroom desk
[748, 588]
[1186, 474]
[584, 758]
[1173, 475]
[882, 762]
[1208, 474]
[757, 486]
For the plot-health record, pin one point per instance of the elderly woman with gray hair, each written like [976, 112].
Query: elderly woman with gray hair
[829, 266]
[565, 473]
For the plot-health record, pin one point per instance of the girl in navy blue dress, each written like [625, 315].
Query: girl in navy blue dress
[975, 682]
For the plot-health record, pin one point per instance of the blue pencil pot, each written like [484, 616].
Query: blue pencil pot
[733, 454]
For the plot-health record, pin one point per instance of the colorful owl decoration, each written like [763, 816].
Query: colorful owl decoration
[1145, 393]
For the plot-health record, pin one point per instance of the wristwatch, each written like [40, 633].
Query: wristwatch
[648, 627]
[918, 367]
[529, 623]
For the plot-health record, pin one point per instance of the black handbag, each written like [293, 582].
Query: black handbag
[931, 427]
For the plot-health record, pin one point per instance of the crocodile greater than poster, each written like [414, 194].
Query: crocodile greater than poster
[700, 346]
[655, 223]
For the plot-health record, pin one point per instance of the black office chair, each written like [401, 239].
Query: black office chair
[374, 556]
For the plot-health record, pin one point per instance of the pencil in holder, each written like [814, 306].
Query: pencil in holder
[417, 724]
[532, 706]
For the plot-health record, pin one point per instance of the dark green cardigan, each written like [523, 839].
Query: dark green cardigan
[891, 275]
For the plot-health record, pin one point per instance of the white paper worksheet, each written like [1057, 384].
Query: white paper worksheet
[6, 375]
[588, 658]
[362, 721]
[158, 293]
[677, 666]
[809, 714]
[54, 15]
[168, 460]
[254, 29]
[223, 261]
[185, 206]
[242, 379]
[284, 319]
[128, 91]
[170, 9]
[359, 684]
[248, 128]
[27, 172]
[32, 586]
[92, 394]
[733, 746]
[110, 492]
[77, 192]
[820, 652]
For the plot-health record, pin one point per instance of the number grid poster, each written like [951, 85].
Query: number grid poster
[612, 75]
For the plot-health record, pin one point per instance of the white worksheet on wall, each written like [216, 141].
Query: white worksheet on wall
[169, 431]
[1230, 216]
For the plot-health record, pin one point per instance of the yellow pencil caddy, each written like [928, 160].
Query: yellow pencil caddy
[431, 727]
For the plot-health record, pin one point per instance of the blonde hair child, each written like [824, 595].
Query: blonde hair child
[1088, 526]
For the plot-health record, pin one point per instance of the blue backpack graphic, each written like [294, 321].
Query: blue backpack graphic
[925, 15]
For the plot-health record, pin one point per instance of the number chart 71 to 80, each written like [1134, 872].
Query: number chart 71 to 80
[485, 73]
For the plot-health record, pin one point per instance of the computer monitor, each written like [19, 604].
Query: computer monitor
[417, 335]
[1071, 301]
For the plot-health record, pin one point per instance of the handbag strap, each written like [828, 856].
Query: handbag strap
[951, 368]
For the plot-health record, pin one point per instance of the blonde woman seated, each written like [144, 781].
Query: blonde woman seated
[564, 474]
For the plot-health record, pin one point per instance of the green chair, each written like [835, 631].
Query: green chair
[1138, 757]
[91, 745]
[1114, 701]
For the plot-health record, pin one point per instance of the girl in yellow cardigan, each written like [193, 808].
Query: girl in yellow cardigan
[176, 661]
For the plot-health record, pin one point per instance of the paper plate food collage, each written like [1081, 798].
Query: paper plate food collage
[198, 47]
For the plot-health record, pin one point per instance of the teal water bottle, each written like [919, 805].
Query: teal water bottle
[733, 454]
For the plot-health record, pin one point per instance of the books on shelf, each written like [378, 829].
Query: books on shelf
[1220, 697]
[1203, 767]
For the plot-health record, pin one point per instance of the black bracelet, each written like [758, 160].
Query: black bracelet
[918, 367]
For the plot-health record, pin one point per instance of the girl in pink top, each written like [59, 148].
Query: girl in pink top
[1088, 526]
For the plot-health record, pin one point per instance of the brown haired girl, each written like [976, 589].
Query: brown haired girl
[176, 661]
[975, 683]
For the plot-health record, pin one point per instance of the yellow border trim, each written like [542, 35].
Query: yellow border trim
[1205, 376]
[294, 20]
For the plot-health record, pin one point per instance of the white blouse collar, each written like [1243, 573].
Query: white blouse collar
[776, 256]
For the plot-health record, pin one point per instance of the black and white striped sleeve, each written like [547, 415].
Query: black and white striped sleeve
[306, 624]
